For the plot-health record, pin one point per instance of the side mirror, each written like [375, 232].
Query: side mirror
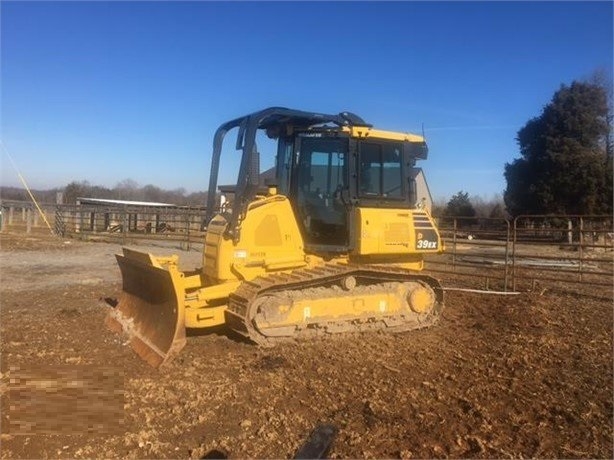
[417, 150]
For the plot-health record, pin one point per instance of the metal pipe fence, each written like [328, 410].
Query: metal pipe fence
[476, 251]
[531, 252]
[128, 223]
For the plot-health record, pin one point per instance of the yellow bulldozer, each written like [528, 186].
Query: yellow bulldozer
[335, 242]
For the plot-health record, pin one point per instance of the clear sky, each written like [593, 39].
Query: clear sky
[105, 91]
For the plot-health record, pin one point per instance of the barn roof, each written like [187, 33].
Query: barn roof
[84, 200]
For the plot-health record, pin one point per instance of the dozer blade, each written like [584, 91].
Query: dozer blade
[151, 307]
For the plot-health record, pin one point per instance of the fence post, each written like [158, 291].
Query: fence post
[507, 251]
[23, 214]
[11, 214]
[581, 249]
[125, 223]
[28, 220]
[3, 218]
[187, 215]
[454, 247]
[78, 217]
[514, 254]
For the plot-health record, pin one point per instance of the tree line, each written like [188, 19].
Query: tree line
[463, 205]
[126, 189]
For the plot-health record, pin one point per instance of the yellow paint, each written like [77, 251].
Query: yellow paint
[204, 317]
[318, 310]
[365, 132]
[270, 240]
[286, 311]
[383, 232]
[420, 300]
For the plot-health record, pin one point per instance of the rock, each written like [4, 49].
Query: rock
[246, 423]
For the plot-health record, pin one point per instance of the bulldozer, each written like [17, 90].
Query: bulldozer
[333, 243]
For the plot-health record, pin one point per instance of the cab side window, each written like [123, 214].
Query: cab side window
[380, 173]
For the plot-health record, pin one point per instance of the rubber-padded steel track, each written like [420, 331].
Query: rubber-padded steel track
[243, 305]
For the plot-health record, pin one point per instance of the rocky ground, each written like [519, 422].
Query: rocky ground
[497, 377]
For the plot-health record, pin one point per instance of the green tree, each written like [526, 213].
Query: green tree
[565, 156]
[460, 206]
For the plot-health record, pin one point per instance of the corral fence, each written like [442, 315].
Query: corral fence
[122, 224]
[24, 216]
[572, 253]
[128, 223]
[532, 252]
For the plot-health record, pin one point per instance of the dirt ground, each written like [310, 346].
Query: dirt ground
[498, 376]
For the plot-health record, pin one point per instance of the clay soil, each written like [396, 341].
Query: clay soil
[498, 377]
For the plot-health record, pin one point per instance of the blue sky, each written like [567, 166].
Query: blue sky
[104, 91]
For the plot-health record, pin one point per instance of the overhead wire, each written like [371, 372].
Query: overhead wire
[23, 181]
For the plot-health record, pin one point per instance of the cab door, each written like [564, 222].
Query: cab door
[320, 179]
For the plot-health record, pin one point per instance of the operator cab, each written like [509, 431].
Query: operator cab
[329, 166]
[327, 173]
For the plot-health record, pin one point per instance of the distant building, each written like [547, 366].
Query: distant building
[106, 215]
[107, 202]
[422, 189]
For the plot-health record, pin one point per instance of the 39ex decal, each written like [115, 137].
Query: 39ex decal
[426, 239]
